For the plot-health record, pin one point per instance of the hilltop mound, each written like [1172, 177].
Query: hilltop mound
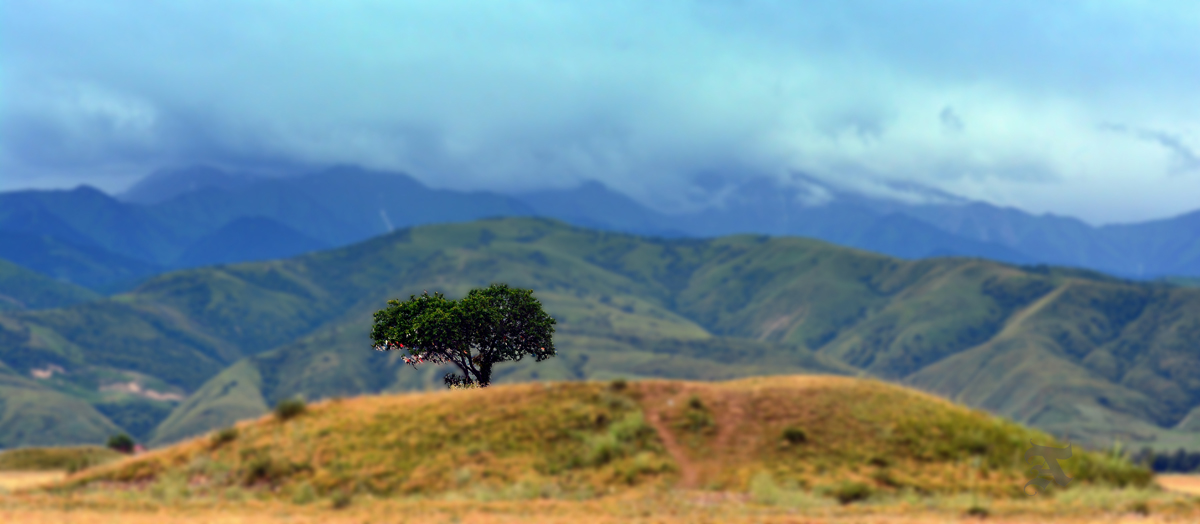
[586, 438]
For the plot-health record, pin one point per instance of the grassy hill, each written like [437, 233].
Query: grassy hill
[56, 458]
[33, 414]
[1079, 354]
[840, 436]
[21, 288]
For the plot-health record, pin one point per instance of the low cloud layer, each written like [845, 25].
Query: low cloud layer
[1073, 107]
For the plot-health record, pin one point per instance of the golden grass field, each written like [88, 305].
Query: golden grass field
[670, 507]
[644, 452]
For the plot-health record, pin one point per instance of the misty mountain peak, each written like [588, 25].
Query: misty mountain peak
[165, 184]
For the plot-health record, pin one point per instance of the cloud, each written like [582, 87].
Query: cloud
[951, 122]
[1184, 157]
[515, 94]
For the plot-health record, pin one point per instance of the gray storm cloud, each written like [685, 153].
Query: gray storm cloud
[999, 101]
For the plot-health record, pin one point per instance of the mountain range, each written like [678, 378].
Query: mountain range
[202, 215]
[1076, 353]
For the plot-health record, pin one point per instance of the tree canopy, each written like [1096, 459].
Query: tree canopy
[490, 325]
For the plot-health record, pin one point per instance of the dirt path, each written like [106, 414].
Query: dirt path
[1015, 321]
[729, 419]
[654, 402]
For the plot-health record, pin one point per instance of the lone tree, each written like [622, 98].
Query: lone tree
[122, 443]
[487, 326]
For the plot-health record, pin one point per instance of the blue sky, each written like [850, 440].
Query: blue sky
[1078, 108]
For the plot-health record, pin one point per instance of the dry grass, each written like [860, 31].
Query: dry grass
[779, 449]
[1189, 484]
[56, 458]
[14, 480]
[639, 506]
[577, 440]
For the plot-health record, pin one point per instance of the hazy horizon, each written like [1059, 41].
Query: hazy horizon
[1075, 108]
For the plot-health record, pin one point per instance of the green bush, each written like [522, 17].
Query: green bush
[847, 492]
[1140, 507]
[341, 500]
[1111, 468]
[794, 435]
[303, 494]
[624, 436]
[289, 408]
[885, 478]
[696, 417]
[224, 436]
[977, 511]
[122, 443]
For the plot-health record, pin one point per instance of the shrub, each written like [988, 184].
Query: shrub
[618, 385]
[341, 500]
[795, 435]
[303, 494]
[885, 478]
[848, 492]
[1140, 507]
[260, 467]
[122, 443]
[696, 417]
[623, 437]
[977, 511]
[289, 409]
[1107, 468]
[224, 436]
[76, 466]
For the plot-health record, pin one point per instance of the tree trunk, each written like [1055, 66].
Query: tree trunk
[485, 373]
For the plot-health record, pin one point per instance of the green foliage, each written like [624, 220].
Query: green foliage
[1107, 468]
[224, 436]
[122, 443]
[303, 494]
[793, 435]
[764, 489]
[978, 511]
[488, 326]
[341, 500]
[1140, 507]
[696, 417]
[288, 409]
[138, 417]
[847, 492]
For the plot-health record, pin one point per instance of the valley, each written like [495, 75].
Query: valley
[1086, 357]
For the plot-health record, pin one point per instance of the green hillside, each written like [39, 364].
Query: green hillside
[1079, 354]
[33, 414]
[21, 288]
[582, 439]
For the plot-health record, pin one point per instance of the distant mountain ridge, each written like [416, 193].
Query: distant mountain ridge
[944, 225]
[1072, 352]
[170, 219]
[95, 240]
